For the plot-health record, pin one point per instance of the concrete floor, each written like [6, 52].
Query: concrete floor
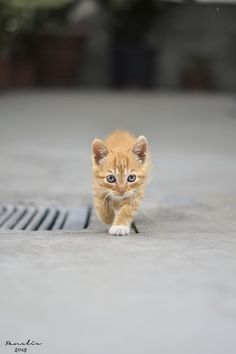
[169, 289]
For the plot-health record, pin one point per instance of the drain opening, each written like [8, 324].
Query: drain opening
[60, 221]
[87, 221]
[134, 227]
[34, 218]
[8, 212]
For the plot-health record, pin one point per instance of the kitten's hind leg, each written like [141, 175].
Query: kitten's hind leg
[104, 210]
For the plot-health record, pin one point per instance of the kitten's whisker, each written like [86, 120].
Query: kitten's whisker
[106, 197]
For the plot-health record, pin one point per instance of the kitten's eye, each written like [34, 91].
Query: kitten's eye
[111, 179]
[131, 178]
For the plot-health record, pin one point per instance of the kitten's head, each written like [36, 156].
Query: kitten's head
[118, 172]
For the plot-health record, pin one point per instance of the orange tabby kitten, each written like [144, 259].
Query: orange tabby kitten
[120, 171]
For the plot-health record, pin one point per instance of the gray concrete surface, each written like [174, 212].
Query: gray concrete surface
[169, 289]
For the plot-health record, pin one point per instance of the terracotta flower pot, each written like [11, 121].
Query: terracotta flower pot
[23, 74]
[199, 78]
[5, 73]
[58, 59]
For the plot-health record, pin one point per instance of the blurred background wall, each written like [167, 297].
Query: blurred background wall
[131, 44]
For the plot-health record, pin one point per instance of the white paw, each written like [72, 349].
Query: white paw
[119, 230]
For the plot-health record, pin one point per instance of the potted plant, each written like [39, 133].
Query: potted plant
[21, 23]
[9, 21]
[196, 72]
[130, 22]
[24, 68]
[57, 46]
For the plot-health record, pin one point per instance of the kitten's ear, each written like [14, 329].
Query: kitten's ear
[140, 148]
[100, 150]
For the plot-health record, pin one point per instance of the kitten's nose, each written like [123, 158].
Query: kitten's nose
[122, 190]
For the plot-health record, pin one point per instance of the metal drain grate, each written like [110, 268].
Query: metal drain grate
[34, 218]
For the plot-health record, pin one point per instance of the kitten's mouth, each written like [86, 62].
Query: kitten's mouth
[121, 196]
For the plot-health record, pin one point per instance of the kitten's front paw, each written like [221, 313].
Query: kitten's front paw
[119, 230]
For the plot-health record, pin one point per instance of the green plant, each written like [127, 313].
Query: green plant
[197, 61]
[25, 16]
[132, 19]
